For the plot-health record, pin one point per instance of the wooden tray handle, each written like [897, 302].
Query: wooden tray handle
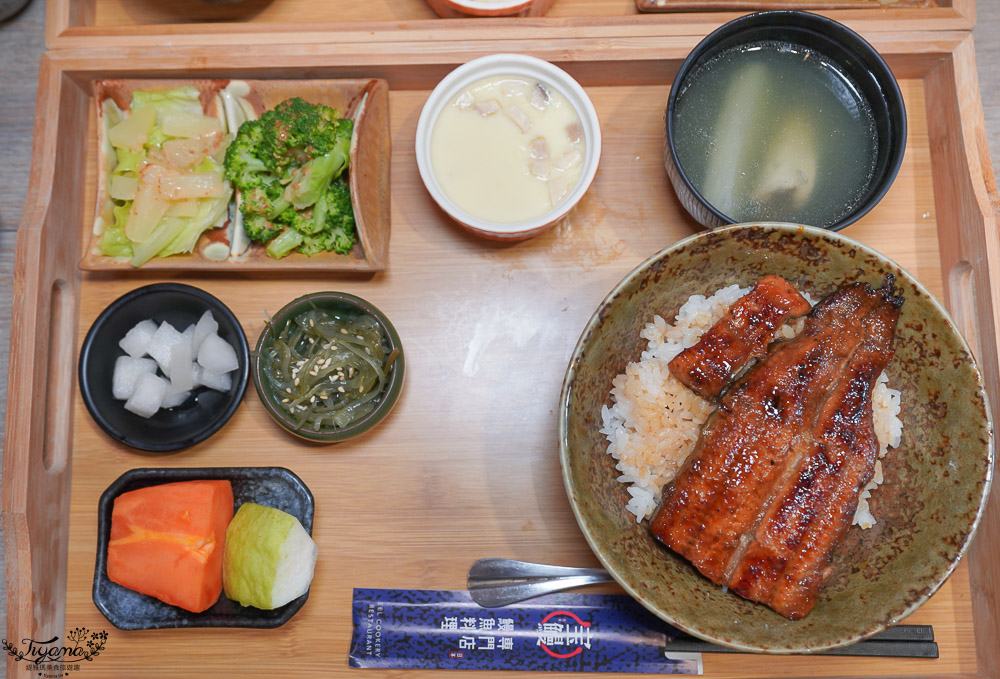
[36, 482]
[42, 381]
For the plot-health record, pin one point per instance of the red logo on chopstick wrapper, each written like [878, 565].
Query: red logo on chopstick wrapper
[562, 634]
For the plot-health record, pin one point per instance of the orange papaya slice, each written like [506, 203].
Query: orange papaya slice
[167, 541]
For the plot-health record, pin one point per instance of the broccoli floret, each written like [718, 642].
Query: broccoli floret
[300, 220]
[288, 166]
[267, 200]
[339, 233]
[242, 165]
[296, 131]
[310, 181]
[340, 217]
[260, 228]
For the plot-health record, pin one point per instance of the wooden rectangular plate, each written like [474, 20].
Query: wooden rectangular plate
[466, 466]
[366, 101]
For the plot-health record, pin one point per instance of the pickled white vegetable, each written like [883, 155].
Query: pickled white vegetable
[217, 355]
[207, 325]
[180, 373]
[162, 345]
[175, 354]
[127, 373]
[172, 398]
[217, 381]
[136, 341]
[148, 395]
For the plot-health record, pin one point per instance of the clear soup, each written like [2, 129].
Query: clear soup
[775, 131]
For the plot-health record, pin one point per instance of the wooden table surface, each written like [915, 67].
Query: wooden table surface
[22, 43]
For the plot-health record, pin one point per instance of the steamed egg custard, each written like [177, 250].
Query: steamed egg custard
[775, 131]
[507, 149]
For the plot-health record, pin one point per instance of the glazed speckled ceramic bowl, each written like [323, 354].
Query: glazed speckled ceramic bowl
[334, 302]
[936, 482]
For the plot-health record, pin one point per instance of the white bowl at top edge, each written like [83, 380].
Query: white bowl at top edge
[508, 64]
[479, 8]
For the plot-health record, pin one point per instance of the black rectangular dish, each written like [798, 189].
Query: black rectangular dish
[129, 610]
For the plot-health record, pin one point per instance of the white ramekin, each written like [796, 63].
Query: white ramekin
[508, 64]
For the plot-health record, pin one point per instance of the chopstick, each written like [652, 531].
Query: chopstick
[901, 641]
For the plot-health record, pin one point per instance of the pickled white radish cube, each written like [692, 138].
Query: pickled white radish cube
[213, 380]
[181, 364]
[148, 395]
[127, 372]
[163, 343]
[189, 334]
[207, 325]
[172, 398]
[137, 340]
[217, 355]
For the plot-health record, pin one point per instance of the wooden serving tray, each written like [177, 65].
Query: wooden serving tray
[466, 466]
[115, 23]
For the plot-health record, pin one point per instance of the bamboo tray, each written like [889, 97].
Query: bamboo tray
[93, 23]
[466, 466]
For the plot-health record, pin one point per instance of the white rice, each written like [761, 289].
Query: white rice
[654, 420]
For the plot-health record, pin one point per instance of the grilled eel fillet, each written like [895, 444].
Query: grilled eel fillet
[741, 335]
[775, 477]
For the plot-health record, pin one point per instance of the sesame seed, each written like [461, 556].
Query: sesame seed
[341, 390]
[284, 400]
[359, 338]
[312, 323]
[324, 396]
[350, 371]
[288, 389]
[361, 389]
[296, 382]
[343, 331]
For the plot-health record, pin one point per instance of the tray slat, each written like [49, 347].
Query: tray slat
[92, 23]
[811, 5]
[466, 465]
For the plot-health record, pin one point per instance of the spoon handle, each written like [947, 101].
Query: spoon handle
[499, 582]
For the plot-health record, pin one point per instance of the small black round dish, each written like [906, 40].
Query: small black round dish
[842, 50]
[172, 429]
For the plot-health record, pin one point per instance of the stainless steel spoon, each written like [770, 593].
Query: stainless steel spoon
[499, 582]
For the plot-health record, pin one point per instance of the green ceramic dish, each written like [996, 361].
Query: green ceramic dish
[340, 301]
[936, 483]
